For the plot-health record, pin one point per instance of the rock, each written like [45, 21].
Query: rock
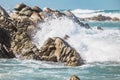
[75, 19]
[3, 12]
[26, 11]
[35, 17]
[74, 77]
[20, 6]
[71, 16]
[57, 50]
[115, 19]
[100, 17]
[5, 51]
[66, 37]
[100, 28]
[36, 9]
[47, 10]
[86, 25]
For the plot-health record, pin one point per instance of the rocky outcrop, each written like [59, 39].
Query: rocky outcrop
[103, 18]
[74, 77]
[57, 50]
[22, 22]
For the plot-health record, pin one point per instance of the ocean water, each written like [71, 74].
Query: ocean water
[100, 50]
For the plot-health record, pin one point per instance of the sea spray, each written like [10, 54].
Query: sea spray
[92, 44]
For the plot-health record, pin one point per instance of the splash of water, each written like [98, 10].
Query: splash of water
[93, 45]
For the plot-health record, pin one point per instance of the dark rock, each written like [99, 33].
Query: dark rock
[36, 9]
[74, 77]
[3, 12]
[57, 50]
[86, 25]
[66, 37]
[100, 28]
[20, 6]
[5, 51]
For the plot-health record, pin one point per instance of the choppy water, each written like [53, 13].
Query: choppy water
[99, 49]
[14, 69]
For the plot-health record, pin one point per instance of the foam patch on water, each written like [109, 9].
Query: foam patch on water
[93, 45]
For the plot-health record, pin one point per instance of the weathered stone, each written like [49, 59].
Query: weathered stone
[35, 17]
[74, 77]
[20, 6]
[57, 50]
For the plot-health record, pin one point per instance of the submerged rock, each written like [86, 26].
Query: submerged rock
[74, 77]
[57, 50]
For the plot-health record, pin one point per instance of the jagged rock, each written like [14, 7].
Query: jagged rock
[75, 19]
[57, 50]
[72, 16]
[20, 6]
[74, 77]
[3, 12]
[36, 9]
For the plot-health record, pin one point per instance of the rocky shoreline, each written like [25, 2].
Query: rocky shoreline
[15, 36]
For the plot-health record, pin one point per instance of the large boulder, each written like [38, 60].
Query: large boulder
[57, 50]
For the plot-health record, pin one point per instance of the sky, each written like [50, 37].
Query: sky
[66, 4]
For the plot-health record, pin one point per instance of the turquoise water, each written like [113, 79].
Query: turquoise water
[14, 69]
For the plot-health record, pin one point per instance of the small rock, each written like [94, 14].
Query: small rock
[20, 6]
[74, 77]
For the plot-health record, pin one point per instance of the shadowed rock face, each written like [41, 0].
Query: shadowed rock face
[5, 39]
[57, 50]
[3, 12]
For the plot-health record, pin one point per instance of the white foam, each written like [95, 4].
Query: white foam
[91, 13]
[93, 45]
